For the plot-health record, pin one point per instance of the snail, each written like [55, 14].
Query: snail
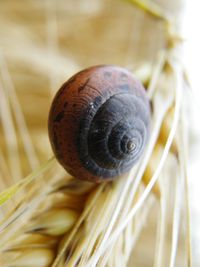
[99, 123]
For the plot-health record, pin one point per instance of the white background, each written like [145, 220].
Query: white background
[191, 31]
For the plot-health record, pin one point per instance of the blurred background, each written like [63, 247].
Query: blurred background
[42, 43]
[191, 57]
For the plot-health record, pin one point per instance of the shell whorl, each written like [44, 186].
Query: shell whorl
[100, 125]
[114, 137]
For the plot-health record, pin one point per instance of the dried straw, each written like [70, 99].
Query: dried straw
[51, 219]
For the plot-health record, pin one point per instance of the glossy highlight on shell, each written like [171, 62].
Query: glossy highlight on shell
[99, 123]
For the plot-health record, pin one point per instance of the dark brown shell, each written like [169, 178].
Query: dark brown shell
[99, 123]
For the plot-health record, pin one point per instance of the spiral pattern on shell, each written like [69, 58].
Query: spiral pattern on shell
[99, 123]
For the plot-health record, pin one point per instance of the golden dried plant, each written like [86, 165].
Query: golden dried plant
[51, 219]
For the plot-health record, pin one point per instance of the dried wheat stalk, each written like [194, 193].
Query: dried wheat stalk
[51, 219]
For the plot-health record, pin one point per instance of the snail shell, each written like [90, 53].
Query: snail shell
[99, 123]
